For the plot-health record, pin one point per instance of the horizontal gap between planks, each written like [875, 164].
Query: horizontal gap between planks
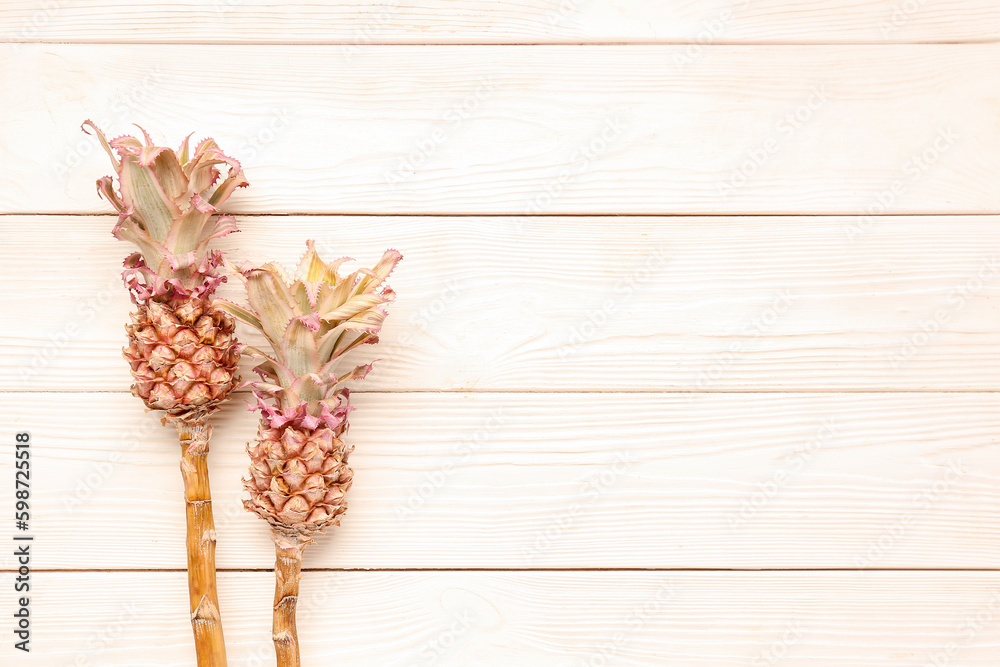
[661, 392]
[534, 569]
[950, 214]
[354, 42]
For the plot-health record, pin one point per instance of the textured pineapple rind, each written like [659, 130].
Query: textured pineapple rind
[299, 475]
[183, 356]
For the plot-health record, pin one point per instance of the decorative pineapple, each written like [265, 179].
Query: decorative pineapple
[181, 348]
[298, 470]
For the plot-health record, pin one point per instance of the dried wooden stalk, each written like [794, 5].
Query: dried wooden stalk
[206, 620]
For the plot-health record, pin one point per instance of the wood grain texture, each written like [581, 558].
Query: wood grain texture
[359, 24]
[560, 442]
[525, 129]
[543, 619]
[553, 480]
[579, 304]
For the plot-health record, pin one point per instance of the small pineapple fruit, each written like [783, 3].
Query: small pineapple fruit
[182, 350]
[298, 471]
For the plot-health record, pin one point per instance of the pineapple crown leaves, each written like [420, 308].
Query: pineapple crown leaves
[310, 323]
[167, 203]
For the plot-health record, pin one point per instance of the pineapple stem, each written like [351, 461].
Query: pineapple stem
[205, 618]
[287, 574]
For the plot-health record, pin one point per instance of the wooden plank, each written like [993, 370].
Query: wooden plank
[361, 23]
[639, 304]
[689, 619]
[526, 129]
[553, 480]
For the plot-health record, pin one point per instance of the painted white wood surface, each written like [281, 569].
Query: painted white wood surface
[536, 619]
[605, 129]
[523, 481]
[362, 23]
[578, 304]
[516, 467]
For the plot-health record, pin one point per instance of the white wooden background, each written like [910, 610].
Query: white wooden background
[696, 355]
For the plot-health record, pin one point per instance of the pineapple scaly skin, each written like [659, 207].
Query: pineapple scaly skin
[183, 356]
[299, 474]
